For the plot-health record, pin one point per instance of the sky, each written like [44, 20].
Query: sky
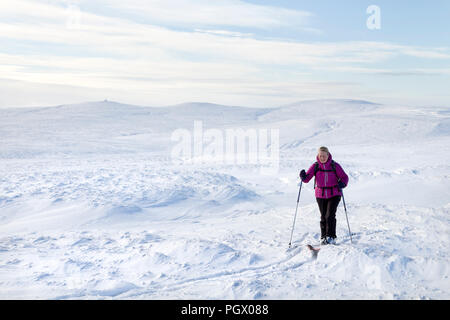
[251, 53]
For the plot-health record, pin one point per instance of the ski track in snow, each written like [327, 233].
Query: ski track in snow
[93, 211]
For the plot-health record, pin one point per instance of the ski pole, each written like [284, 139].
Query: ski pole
[298, 199]
[345, 209]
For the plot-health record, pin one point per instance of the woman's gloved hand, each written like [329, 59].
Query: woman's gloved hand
[303, 175]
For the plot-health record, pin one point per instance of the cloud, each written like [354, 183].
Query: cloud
[118, 37]
[232, 13]
[389, 72]
[225, 33]
[245, 93]
[114, 53]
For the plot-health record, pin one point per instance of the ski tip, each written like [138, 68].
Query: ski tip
[310, 247]
[314, 251]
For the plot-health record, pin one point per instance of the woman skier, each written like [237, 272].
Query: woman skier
[330, 178]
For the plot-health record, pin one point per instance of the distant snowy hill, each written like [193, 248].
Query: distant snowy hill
[106, 126]
[319, 108]
[93, 207]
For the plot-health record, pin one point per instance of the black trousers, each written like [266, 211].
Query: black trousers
[328, 209]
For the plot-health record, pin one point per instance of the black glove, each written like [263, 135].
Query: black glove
[303, 174]
[341, 185]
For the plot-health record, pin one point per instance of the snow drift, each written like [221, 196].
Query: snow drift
[92, 206]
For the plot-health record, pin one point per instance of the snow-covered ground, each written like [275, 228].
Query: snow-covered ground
[93, 207]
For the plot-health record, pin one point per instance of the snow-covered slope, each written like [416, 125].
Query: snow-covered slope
[107, 127]
[92, 207]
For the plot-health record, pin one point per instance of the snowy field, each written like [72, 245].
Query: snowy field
[92, 205]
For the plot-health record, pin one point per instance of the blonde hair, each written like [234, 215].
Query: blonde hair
[324, 149]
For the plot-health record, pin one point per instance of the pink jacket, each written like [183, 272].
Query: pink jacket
[327, 178]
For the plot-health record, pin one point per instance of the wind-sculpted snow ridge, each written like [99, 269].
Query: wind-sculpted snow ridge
[442, 128]
[232, 261]
[120, 189]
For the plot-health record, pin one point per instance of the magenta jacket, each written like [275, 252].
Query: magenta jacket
[327, 178]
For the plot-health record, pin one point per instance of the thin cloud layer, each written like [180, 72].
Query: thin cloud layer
[64, 43]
